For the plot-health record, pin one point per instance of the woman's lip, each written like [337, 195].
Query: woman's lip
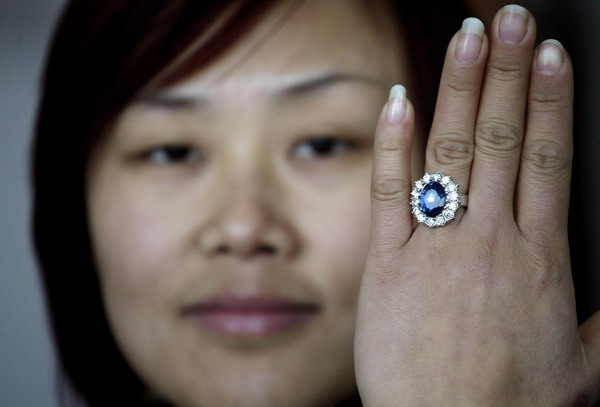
[251, 317]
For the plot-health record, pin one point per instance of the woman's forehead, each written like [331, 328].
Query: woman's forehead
[314, 41]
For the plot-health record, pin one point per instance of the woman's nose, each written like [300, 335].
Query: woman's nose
[248, 223]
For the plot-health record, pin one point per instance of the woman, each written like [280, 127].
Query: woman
[215, 171]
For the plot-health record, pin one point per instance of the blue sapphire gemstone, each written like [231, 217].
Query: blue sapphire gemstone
[433, 199]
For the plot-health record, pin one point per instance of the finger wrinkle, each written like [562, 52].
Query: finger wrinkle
[497, 139]
[450, 150]
[548, 158]
[515, 74]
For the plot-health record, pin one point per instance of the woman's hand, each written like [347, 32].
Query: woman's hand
[481, 311]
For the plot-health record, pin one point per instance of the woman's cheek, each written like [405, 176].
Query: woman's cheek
[138, 237]
[342, 233]
[132, 243]
[137, 248]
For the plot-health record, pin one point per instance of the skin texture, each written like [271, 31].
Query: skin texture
[169, 233]
[481, 311]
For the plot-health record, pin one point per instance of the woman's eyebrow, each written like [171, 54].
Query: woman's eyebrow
[323, 81]
[293, 89]
[173, 101]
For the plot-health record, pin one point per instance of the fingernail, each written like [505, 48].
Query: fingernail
[396, 106]
[470, 40]
[550, 57]
[513, 24]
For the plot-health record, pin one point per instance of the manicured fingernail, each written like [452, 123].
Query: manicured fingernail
[470, 40]
[550, 57]
[396, 106]
[513, 24]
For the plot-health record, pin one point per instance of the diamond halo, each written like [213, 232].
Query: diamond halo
[451, 199]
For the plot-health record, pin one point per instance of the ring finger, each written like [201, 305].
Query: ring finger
[450, 145]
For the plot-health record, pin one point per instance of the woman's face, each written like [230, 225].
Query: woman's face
[230, 213]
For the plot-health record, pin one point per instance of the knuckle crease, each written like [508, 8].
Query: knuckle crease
[449, 150]
[389, 189]
[496, 138]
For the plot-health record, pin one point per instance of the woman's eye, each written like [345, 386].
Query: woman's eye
[173, 154]
[323, 147]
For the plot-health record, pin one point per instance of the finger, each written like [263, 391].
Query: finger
[450, 145]
[501, 119]
[390, 183]
[589, 332]
[544, 178]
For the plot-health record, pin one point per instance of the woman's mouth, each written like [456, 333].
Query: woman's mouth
[251, 317]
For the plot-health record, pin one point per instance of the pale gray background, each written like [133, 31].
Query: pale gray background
[26, 356]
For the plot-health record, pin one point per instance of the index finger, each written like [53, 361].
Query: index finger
[391, 177]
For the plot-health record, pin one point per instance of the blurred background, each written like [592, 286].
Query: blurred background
[27, 362]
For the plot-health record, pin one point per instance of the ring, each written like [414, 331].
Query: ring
[435, 199]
